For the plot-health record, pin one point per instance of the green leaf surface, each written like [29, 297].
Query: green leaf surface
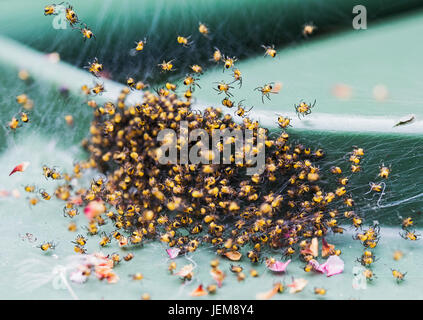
[359, 59]
[118, 24]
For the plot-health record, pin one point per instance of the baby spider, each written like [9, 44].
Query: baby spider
[223, 87]
[130, 82]
[140, 44]
[269, 50]
[399, 276]
[284, 122]
[13, 124]
[170, 86]
[304, 109]
[51, 9]
[98, 89]
[384, 171]
[105, 239]
[87, 33]
[203, 29]
[308, 29]
[33, 201]
[227, 103]
[51, 173]
[367, 258]
[30, 188]
[228, 62]
[197, 69]
[94, 67]
[217, 55]
[369, 274]
[188, 94]
[80, 240]
[24, 117]
[237, 77]
[162, 92]
[190, 81]
[166, 66]
[241, 112]
[70, 212]
[71, 16]
[45, 246]
[407, 222]
[45, 195]
[184, 41]
[377, 187]
[266, 90]
[79, 249]
[320, 291]
[410, 235]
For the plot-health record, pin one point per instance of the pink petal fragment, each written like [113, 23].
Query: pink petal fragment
[20, 167]
[321, 267]
[334, 265]
[317, 266]
[380, 92]
[312, 248]
[199, 292]
[297, 285]
[4, 193]
[327, 249]
[78, 277]
[173, 253]
[112, 277]
[77, 200]
[342, 91]
[185, 270]
[218, 276]
[94, 208]
[16, 194]
[278, 266]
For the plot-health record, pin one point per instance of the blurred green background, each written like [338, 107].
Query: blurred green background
[238, 28]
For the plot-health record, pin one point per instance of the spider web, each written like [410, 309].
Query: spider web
[403, 194]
